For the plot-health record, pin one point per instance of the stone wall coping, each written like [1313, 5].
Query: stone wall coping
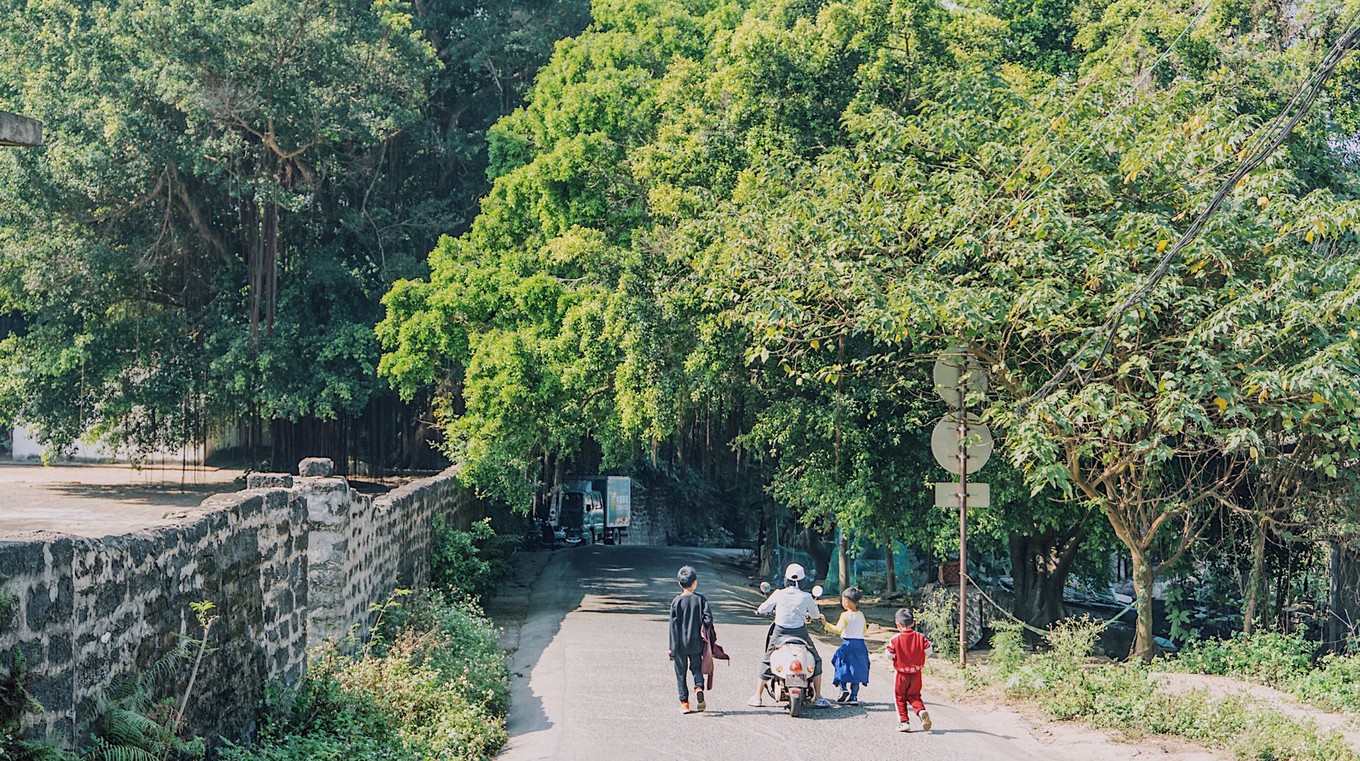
[405, 490]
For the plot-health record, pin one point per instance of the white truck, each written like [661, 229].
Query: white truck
[593, 508]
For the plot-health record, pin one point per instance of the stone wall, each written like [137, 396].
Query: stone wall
[290, 562]
[651, 520]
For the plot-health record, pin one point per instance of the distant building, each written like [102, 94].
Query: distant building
[20, 131]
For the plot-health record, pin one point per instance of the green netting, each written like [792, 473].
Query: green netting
[868, 564]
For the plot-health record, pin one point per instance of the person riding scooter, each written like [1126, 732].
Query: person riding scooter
[792, 608]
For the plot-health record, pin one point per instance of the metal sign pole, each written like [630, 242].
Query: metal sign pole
[955, 375]
[963, 531]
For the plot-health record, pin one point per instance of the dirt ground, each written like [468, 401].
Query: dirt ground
[97, 500]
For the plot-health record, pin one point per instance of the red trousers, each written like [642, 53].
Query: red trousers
[908, 690]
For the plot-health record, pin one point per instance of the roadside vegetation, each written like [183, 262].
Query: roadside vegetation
[429, 682]
[435, 688]
[1136, 700]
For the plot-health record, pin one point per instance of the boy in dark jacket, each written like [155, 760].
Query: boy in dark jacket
[689, 616]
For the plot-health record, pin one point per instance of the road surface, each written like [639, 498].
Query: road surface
[591, 678]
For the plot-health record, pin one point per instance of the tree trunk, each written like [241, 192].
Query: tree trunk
[818, 547]
[842, 560]
[1039, 567]
[890, 568]
[1257, 579]
[1144, 646]
[1344, 586]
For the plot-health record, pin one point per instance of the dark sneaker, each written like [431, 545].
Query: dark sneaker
[699, 704]
[844, 696]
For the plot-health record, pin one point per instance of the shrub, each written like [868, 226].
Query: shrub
[1334, 684]
[936, 618]
[1008, 648]
[437, 689]
[469, 562]
[467, 651]
[1071, 641]
[1266, 657]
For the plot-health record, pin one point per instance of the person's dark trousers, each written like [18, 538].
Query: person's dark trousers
[684, 665]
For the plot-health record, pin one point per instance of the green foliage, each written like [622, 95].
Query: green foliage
[1008, 648]
[140, 725]
[1126, 697]
[937, 618]
[1179, 615]
[137, 724]
[1282, 661]
[225, 191]
[781, 209]
[1042, 33]
[1266, 657]
[439, 689]
[1333, 685]
[15, 702]
[468, 562]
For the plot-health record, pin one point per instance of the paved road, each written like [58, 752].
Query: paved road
[591, 679]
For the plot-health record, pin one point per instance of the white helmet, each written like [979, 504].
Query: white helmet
[794, 572]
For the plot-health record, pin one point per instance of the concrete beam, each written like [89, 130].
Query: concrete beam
[19, 130]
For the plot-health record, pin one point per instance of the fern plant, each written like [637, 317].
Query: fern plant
[137, 725]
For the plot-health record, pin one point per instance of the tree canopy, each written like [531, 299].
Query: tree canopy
[789, 208]
[226, 191]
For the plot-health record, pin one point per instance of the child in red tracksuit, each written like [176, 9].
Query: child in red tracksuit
[909, 650]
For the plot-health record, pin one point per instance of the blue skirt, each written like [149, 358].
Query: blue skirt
[851, 662]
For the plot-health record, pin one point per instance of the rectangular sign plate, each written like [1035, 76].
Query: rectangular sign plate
[947, 495]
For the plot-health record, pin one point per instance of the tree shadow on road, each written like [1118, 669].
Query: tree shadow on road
[163, 494]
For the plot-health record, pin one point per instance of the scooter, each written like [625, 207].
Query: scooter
[791, 667]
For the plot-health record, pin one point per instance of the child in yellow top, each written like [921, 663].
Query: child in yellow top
[851, 660]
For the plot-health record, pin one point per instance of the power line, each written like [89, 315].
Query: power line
[1283, 125]
[1084, 83]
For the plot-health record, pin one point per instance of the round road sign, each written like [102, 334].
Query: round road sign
[944, 443]
[956, 369]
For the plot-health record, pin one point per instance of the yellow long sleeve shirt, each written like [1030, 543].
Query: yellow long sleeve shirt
[849, 626]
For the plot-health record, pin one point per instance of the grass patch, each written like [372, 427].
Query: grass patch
[1125, 697]
[1282, 661]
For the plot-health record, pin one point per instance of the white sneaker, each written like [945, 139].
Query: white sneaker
[822, 702]
[904, 727]
[756, 702]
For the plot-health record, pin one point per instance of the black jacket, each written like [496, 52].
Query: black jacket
[689, 614]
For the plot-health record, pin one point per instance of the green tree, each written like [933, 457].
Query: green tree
[991, 217]
[226, 190]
